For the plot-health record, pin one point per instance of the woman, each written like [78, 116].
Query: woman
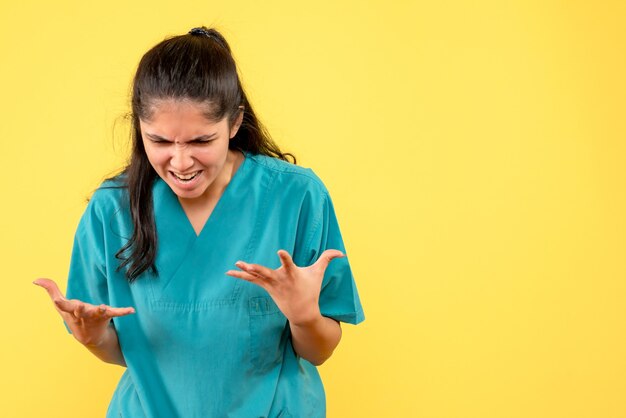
[153, 284]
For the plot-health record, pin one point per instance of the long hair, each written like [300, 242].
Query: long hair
[197, 66]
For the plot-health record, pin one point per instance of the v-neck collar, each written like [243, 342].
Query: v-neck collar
[163, 191]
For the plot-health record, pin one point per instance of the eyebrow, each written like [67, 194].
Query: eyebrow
[198, 138]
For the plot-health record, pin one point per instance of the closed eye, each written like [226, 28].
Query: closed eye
[159, 141]
[204, 139]
[201, 141]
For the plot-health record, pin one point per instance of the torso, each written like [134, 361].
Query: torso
[198, 333]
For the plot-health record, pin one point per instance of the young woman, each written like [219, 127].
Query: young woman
[185, 267]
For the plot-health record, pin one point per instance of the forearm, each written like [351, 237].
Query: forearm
[315, 341]
[108, 348]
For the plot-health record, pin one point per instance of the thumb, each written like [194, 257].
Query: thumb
[51, 287]
[326, 257]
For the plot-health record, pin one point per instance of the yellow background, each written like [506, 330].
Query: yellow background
[475, 151]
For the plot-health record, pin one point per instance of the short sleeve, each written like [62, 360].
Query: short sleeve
[87, 279]
[339, 298]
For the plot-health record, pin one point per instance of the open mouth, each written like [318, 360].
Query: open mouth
[186, 178]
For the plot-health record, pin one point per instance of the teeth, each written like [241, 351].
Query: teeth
[186, 177]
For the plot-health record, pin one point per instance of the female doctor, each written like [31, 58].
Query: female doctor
[211, 268]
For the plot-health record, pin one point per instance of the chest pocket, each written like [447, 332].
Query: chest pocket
[196, 280]
[269, 333]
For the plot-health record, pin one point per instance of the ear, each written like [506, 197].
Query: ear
[237, 122]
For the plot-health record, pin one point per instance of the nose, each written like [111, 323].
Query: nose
[182, 158]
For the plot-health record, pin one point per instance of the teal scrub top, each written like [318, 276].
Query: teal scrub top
[201, 343]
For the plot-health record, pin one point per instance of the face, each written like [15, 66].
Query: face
[188, 151]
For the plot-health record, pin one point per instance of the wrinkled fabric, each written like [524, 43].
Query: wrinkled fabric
[201, 343]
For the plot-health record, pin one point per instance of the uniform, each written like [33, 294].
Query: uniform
[201, 343]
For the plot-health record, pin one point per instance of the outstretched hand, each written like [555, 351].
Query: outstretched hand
[87, 322]
[295, 290]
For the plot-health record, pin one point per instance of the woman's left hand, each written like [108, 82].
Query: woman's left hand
[295, 290]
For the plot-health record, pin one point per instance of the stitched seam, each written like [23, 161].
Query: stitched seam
[310, 176]
[316, 225]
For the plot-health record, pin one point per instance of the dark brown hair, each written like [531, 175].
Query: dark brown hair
[197, 66]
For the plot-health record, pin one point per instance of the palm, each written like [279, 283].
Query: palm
[295, 290]
[87, 322]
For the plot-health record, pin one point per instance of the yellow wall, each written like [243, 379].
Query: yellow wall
[475, 151]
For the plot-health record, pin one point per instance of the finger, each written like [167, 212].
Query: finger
[286, 260]
[117, 312]
[51, 287]
[65, 305]
[246, 276]
[104, 311]
[79, 310]
[256, 270]
[95, 312]
[326, 257]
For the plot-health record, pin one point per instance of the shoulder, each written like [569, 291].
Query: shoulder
[288, 175]
[107, 212]
[109, 197]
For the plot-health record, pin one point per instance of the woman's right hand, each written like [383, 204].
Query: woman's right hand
[89, 323]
